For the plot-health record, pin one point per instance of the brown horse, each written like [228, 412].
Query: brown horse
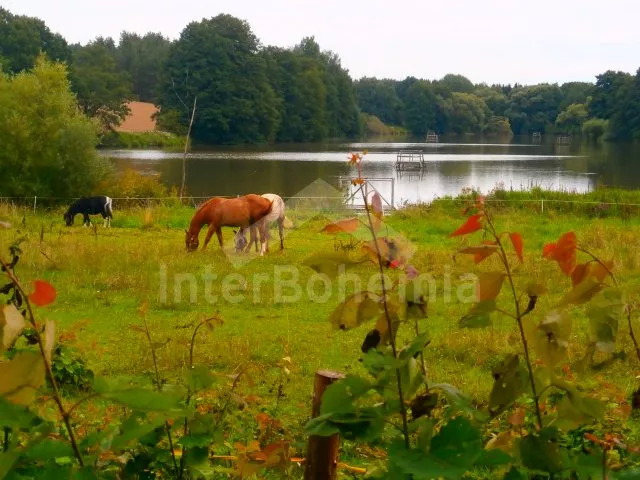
[220, 212]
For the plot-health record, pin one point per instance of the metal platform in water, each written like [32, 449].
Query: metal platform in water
[410, 160]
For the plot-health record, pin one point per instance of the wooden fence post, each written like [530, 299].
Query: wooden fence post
[322, 452]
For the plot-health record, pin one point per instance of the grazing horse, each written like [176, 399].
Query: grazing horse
[220, 212]
[90, 206]
[277, 214]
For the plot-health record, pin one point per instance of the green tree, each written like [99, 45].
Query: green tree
[298, 83]
[217, 60]
[575, 92]
[48, 146]
[379, 98]
[457, 83]
[498, 126]
[142, 58]
[494, 98]
[22, 39]
[102, 89]
[342, 113]
[533, 108]
[571, 120]
[420, 108]
[466, 113]
[595, 128]
[609, 93]
[625, 121]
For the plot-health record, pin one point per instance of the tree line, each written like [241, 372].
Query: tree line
[250, 93]
[454, 104]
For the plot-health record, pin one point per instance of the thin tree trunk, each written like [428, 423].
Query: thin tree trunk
[186, 147]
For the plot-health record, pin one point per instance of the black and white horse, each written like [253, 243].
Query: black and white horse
[90, 206]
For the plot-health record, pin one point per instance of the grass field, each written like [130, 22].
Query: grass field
[103, 275]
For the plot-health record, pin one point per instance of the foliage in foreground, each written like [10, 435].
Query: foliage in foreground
[433, 430]
[425, 428]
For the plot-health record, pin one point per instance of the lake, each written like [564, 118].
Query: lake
[449, 167]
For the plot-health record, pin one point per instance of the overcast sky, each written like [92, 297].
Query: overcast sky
[493, 41]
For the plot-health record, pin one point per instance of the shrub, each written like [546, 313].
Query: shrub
[133, 184]
[48, 146]
[595, 129]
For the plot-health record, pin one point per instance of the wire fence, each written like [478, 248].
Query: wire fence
[592, 207]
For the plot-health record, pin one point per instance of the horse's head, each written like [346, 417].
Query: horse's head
[68, 219]
[191, 241]
[240, 240]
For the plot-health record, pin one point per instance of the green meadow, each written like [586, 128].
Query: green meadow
[274, 310]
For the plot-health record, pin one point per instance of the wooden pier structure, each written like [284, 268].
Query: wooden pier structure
[409, 160]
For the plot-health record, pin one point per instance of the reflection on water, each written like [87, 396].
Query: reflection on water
[449, 167]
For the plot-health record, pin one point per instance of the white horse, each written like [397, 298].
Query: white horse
[277, 214]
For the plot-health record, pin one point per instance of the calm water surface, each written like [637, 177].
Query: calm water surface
[449, 167]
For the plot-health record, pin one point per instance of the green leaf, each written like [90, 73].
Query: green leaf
[355, 310]
[576, 409]
[48, 449]
[604, 318]
[458, 400]
[603, 327]
[515, 474]
[479, 316]
[457, 443]
[541, 452]
[454, 449]
[135, 427]
[17, 416]
[411, 378]
[321, 426]
[582, 293]
[418, 465]
[552, 337]
[365, 424]
[330, 264]
[21, 377]
[340, 396]
[510, 381]
[417, 345]
[199, 378]
[493, 458]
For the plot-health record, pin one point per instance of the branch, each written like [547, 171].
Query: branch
[503, 257]
[49, 372]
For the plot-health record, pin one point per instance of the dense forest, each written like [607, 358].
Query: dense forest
[250, 93]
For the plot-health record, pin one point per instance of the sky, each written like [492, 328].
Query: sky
[492, 41]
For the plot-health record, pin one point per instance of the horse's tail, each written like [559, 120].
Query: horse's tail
[108, 207]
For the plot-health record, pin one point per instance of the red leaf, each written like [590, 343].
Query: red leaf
[563, 252]
[548, 249]
[471, 225]
[516, 240]
[482, 251]
[347, 225]
[44, 293]
[579, 273]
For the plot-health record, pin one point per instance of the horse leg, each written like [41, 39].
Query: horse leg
[256, 229]
[209, 235]
[281, 231]
[252, 238]
[219, 235]
[86, 221]
[264, 242]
